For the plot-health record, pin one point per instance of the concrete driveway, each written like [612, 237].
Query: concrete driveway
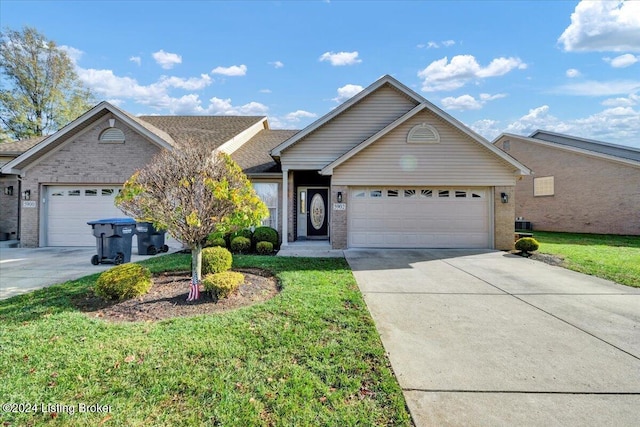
[24, 270]
[485, 338]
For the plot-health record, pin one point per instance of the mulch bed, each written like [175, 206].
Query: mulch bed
[168, 294]
[546, 258]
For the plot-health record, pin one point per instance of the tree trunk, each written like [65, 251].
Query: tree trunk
[196, 272]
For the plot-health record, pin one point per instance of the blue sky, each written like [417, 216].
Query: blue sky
[564, 66]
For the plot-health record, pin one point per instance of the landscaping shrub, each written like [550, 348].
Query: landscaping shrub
[216, 260]
[246, 233]
[527, 244]
[240, 245]
[216, 239]
[221, 285]
[264, 248]
[265, 234]
[123, 282]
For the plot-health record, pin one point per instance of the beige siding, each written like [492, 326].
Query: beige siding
[455, 160]
[347, 130]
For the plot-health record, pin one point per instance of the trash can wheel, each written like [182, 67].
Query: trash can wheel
[119, 258]
[95, 260]
[165, 248]
[151, 250]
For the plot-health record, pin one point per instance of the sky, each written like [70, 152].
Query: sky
[510, 66]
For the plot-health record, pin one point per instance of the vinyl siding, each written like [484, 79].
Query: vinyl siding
[347, 130]
[455, 160]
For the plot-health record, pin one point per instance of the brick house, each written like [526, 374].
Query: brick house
[577, 185]
[385, 169]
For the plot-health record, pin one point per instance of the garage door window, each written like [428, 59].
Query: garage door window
[443, 193]
[74, 192]
[91, 193]
[376, 193]
[392, 193]
[426, 193]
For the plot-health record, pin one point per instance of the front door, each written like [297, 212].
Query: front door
[317, 212]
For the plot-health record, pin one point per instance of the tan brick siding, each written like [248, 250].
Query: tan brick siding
[9, 207]
[504, 218]
[339, 218]
[592, 195]
[82, 160]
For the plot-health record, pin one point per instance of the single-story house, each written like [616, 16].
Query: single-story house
[385, 169]
[578, 185]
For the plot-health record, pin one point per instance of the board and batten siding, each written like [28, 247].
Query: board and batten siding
[347, 130]
[457, 160]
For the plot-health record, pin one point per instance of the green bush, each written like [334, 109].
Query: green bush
[216, 241]
[264, 248]
[123, 282]
[246, 233]
[527, 244]
[265, 234]
[216, 260]
[240, 245]
[221, 285]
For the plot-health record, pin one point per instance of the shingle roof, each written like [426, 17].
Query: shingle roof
[253, 156]
[214, 130]
[18, 147]
[621, 151]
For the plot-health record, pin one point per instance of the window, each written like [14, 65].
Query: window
[91, 193]
[426, 193]
[461, 194]
[543, 186]
[506, 146]
[423, 134]
[112, 136]
[443, 193]
[107, 191]
[392, 193]
[360, 194]
[57, 194]
[409, 193]
[476, 195]
[375, 193]
[268, 193]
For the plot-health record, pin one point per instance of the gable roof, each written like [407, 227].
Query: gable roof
[621, 151]
[15, 148]
[422, 105]
[588, 147]
[253, 156]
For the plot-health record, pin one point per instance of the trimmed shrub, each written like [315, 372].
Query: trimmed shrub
[240, 245]
[216, 242]
[123, 282]
[221, 285]
[264, 248]
[216, 260]
[246, 233]
[265, 234]
[527, 244]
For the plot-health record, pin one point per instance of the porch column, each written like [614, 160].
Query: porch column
[285, 208]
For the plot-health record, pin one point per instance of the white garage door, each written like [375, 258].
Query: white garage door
[69, 208]
[419, 217]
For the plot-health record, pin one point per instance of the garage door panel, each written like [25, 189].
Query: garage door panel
[420, 218]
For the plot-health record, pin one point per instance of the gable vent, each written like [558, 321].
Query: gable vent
[112, 135]
[423, 134]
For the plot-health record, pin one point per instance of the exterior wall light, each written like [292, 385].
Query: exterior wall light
[339, 196]
[8, 191]
[26, 195]
[504, 197]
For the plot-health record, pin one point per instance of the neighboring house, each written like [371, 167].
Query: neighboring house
[385, 169]
[578, 185]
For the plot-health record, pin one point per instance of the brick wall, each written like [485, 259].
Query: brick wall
[504, 218]
[592, 195]
[9, 207]
[339, 218]
[82, 159]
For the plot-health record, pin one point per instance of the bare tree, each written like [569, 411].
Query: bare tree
[191, 192]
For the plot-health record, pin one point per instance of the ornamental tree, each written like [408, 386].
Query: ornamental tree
[192, 191]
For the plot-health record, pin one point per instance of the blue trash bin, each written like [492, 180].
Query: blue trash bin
[150, 240]
[113, 240]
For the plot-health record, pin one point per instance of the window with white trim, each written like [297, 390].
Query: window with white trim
[268, 193]
[543, 186]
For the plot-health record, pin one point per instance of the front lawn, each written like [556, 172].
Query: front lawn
[616, 258]
[309, 356]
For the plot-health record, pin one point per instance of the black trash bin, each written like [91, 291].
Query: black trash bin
[113, 240]
[150, 240]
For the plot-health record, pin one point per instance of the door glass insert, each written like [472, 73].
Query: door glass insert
[317, 211]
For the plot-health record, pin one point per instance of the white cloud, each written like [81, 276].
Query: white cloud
[296, 116]
[596, 88]
[572, 73]
[347, 91]
[167, 60]
[226, 108]
[487, 128]
[448, 43]
[73, 53]
[192, 83]
[136, 59]
[276, 64]
[340, 58]
[435, 45]
[432, 45]
[265, 91]
[603, 26]
[468, 102]
[622, 61]
[233, 71]
[630, 101]
[443, 75]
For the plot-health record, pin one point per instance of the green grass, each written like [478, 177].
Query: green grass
[308, 357]
[611, 257]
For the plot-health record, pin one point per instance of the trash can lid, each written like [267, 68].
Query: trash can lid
[114, 221]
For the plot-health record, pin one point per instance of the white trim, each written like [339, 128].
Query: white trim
[285, 212]
[240, 139]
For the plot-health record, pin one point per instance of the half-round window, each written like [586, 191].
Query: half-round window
[112, 136]
[423, 134]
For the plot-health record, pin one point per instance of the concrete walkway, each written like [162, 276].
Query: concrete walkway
[24, 270]
[486, 338]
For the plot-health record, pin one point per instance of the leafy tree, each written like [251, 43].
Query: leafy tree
[191, 192]
[39, 89]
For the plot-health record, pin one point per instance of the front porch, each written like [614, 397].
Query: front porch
[310, 249]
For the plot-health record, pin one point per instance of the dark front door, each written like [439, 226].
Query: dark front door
[317, 212]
